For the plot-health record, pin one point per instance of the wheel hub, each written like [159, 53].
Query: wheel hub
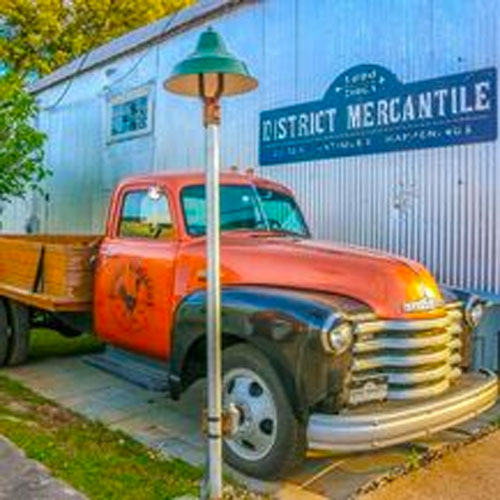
[255, 432]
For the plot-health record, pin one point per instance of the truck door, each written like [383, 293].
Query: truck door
[135, 274]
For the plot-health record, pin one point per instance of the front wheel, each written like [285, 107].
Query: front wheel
[269, 441]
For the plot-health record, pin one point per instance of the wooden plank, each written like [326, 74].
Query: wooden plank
[43, 301]
[18, 263]
[64, 277]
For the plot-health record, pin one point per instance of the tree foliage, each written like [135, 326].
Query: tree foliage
[21, 145]
[36, 37]
[45, 34]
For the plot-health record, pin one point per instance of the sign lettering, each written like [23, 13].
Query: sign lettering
[368, 110]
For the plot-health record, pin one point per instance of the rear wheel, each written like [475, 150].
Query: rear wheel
[4, 333]
[269, 440]
[20, 337]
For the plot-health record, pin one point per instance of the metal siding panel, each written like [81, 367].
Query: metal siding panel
[437, 206]
[73, 155]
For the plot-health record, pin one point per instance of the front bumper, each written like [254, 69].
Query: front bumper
[390, 423]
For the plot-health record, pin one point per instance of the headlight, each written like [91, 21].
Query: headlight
[474, 311]
[338, 339]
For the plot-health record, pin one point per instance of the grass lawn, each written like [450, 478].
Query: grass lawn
[46, 343]
[101, 463]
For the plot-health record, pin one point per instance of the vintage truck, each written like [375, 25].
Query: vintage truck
[324, 346]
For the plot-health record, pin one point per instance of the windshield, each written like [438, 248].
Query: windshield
[244, 207]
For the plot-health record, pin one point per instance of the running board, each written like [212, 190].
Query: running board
[139, 370]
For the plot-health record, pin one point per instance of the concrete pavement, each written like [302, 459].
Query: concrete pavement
[25, 479]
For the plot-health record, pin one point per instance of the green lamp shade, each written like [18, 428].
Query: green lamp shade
[210, 58]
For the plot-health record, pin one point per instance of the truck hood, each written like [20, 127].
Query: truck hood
[386, 283]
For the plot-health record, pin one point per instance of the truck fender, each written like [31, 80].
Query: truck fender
[284, 324]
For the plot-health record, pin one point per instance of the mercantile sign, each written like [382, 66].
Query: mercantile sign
[368, 110]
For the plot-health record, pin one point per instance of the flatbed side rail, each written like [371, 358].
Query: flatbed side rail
[49, 272]
[44, 301]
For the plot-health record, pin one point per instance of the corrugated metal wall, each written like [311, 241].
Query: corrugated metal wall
[439, 206]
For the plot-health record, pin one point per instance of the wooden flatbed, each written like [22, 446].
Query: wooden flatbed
[50, 272]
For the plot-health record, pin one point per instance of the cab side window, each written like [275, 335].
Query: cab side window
[146, 214]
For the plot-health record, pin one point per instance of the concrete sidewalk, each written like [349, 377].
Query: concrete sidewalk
[25, 479]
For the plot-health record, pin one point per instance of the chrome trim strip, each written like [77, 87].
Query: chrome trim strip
[355, 431]
[426, 391]
[411, 378]
[456, 314]
[457, 304]
[361, 317]
[403, 325]
[455, 344]
[455, 329]
[401, 360]
[363, 346]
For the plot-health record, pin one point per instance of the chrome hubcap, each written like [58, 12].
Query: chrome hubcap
[257, 424]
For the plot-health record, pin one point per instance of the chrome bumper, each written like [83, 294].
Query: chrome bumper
[386, 424]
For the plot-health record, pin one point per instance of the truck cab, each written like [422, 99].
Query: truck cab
[152, 256]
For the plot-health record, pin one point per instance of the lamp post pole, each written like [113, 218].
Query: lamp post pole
[214, 348]
[209, 73]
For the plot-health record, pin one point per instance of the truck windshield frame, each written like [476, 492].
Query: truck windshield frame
[260, 209]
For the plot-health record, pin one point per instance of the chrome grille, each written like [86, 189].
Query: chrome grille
[418, 358]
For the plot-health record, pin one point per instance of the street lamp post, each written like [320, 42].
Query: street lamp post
[210, 73]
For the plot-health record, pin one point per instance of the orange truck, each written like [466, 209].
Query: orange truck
[324, 346]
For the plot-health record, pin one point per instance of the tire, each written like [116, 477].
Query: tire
[4, 333]
[270, 441]
[20, 338]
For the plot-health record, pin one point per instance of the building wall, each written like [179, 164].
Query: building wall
[439, 205]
